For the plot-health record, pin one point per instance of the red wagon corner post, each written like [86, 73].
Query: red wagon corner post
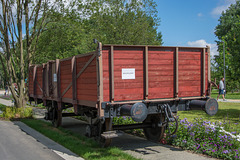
[100, 80]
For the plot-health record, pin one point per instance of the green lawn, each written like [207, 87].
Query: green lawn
[228, 113]
[229, 95]
[81, 145]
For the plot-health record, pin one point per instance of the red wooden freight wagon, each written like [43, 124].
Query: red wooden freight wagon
[148, 83]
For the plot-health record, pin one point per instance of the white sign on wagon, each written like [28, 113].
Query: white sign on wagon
[128, 73]
[54, 77]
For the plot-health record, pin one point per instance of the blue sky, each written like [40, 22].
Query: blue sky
[190, 22]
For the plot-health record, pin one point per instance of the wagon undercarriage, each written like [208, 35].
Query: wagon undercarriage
[156, 119]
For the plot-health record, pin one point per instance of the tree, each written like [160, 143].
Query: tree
[125, 22]
[228, 31]
[63, 38]
[109, 21]
[16, 19]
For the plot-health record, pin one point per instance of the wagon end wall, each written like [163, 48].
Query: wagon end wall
[154, 72]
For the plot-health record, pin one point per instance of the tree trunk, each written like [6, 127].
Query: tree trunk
[13, 58]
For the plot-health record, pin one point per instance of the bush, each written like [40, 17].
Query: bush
[13, 112]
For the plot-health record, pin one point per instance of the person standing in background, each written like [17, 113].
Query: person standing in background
[221, 89]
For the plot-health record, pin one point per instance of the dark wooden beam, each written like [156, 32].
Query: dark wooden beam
[146, 72]
[204, 72]
[34, 81]
[112, 74]
[74, 84]
[176, 72]
[209, 70]
[59, 96]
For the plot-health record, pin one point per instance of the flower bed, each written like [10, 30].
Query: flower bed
[199, 136]
[206, 137]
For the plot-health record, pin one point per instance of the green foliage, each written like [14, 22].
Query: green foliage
[81, 145]
[228, 31]
[70, 32]
[13, 112]
[2, 106]
[126, 22]
[128, 120]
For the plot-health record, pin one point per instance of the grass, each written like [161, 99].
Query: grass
[81, 145]
[229, 95]
[228, 113]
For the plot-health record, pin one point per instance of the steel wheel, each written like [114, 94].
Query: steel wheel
[155, 133]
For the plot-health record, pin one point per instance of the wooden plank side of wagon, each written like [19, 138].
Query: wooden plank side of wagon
[190, 71]
[35, 82]
[161, 73]
[77, 80]
[116, 59]
[30, 81]
[39, 81]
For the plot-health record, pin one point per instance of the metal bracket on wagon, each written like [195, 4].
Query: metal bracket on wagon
[168, 112]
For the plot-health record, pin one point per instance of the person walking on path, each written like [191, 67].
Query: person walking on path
[6, 90]
[221, 89]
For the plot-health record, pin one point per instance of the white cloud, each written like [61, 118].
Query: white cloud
[203, 43]
[222, 7]
[199, 14]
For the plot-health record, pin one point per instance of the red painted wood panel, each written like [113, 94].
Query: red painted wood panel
[124, 58]
[30, 81]
[161, 73]
[39, 80]
[122, 89]
[190, 73]
[66, 77]
[206, 73]
[87, 81]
